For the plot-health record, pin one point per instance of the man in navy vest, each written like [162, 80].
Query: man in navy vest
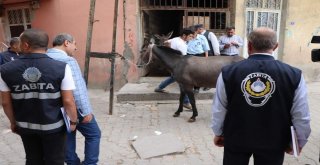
[34, 88]
[257, 100]
[211, 38]
[13, 51]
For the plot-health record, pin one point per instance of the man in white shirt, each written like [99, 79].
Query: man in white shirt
[230, 43]
[180, 44]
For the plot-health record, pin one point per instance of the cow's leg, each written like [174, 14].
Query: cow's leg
[193, 104]
[180, 109]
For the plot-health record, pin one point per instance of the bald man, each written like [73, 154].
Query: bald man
[257, 100]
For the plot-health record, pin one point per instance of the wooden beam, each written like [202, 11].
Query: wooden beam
[89, 39]
[112, 59]
[102, 55]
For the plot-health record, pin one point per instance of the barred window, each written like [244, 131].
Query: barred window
[185, 3]
[264, 4]
[210, 20]
[263, 13]
[18, 20]
[213, 14]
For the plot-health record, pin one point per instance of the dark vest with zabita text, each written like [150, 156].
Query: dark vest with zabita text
[260, 92]
[34, 81]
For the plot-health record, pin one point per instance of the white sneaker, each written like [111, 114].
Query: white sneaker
[187, 105]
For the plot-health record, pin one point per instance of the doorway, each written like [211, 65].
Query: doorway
[163, 16]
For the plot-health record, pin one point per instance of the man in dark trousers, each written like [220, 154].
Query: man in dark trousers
[13, 51]
[34, 88]
[211, 38]
[256, 102]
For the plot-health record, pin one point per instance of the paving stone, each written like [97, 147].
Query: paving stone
[158, 145]
[143, 118]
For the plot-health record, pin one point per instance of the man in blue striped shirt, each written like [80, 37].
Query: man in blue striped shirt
[230, 43]
[64, 47]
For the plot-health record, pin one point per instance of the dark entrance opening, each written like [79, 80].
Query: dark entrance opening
[161, 22]
[163, 16]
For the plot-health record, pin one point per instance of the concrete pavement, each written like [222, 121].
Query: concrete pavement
[143, 118]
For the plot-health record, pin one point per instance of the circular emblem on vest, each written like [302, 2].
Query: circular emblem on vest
[32, 74]
[257, 88]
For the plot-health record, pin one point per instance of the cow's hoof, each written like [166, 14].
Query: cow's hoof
[191, 120]
[176, 115]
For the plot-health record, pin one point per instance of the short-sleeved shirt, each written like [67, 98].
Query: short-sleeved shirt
[198, 45]
[179, 44]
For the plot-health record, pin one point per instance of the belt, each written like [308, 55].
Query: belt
[229, 54]
[200, 54]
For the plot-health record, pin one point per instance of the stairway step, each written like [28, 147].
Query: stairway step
[143, 90]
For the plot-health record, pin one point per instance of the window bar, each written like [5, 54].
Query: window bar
[218, 21]
[215, 26]
[219, 15]
[147, 3]
[205, 20]
[24, 19]
[193, 18]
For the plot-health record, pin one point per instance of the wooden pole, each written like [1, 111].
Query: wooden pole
[114, 37]
[89, 39]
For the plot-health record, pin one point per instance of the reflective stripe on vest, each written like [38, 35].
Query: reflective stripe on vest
[37, 95]
[45, 127]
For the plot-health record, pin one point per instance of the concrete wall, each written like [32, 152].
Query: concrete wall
[239, 22]
[56, 16]
[301, 23]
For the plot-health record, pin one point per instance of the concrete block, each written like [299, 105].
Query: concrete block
[152, 146]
